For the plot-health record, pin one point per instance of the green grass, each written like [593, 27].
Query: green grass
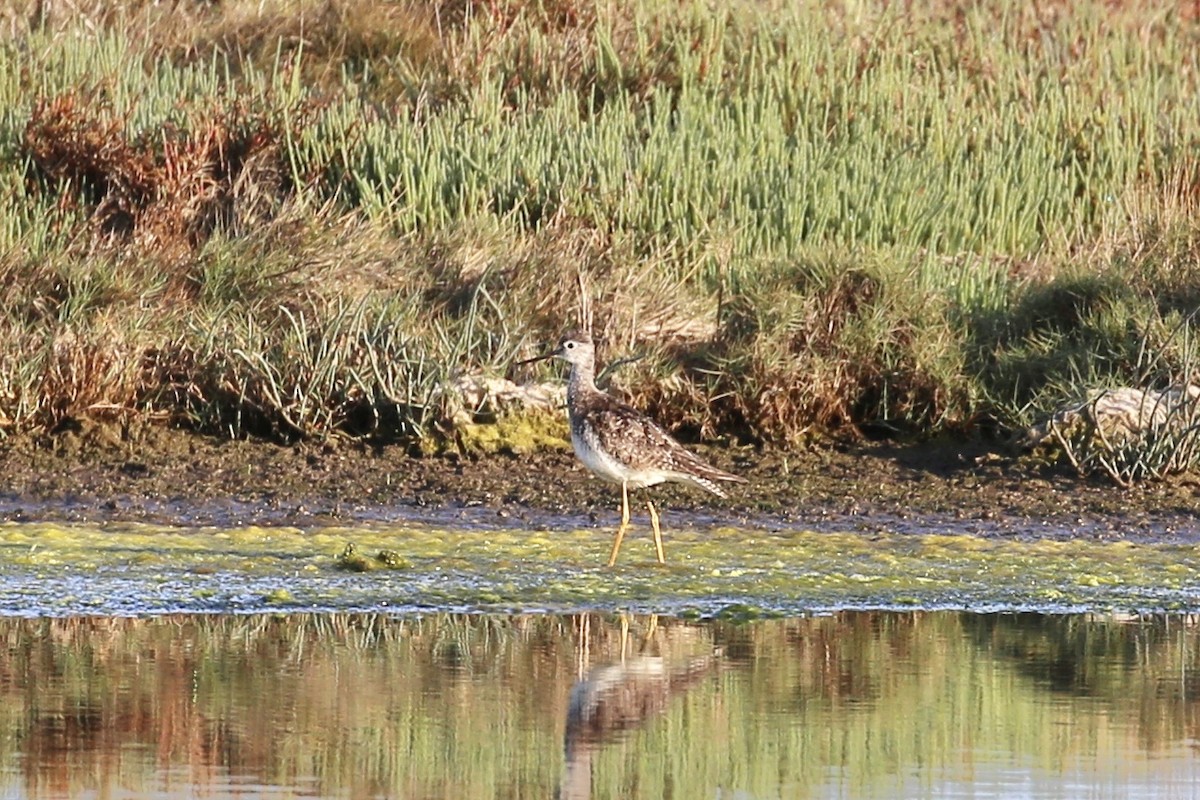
[300, 219]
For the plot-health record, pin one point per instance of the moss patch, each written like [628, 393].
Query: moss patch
[515, 434]
[63, 570]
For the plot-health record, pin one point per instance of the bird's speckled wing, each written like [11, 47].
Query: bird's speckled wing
[641, 444]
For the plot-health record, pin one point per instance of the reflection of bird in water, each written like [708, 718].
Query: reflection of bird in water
[620, 444]
[615, 699]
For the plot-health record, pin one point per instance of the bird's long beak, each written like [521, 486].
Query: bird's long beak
[542, 357]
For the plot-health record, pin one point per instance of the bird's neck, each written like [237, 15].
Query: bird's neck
[581, 383]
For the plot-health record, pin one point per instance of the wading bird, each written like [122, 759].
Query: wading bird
[620, 444]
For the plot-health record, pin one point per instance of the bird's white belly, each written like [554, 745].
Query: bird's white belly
[610, 469]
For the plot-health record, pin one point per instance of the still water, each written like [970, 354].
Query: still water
[851, 704]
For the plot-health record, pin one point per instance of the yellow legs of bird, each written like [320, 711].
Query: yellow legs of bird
[647, 637]
[657, 532]
[612, 559]
[658, 545]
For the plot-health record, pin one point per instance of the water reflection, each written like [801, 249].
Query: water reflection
[614, 699]
[851, 705]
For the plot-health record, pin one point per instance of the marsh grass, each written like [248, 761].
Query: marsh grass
[303, 219]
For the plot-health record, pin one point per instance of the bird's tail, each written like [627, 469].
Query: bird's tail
[708, 478]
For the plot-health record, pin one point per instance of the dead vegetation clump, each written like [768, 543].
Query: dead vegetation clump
[71, 372]
[165, 192]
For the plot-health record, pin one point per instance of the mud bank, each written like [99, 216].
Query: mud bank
[152, 474]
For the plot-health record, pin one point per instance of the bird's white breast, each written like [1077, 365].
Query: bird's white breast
[588, 449]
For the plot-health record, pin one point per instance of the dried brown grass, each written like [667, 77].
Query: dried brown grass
[165, 194]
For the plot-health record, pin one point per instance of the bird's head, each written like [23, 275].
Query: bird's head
[575, 347]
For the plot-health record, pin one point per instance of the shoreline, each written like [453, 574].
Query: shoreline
[102, 475]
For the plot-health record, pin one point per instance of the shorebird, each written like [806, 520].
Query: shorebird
[620, 444]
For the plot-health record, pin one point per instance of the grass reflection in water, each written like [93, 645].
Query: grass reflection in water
[852, 704]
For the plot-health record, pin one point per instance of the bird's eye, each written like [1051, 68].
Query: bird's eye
[570, 345]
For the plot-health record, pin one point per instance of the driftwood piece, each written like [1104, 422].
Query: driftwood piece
[1120, 415]
[1127, 433]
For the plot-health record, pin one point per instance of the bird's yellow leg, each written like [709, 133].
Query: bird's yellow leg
[657, 531]
[612, 559]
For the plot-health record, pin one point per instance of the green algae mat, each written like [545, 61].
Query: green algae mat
[62, 570]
